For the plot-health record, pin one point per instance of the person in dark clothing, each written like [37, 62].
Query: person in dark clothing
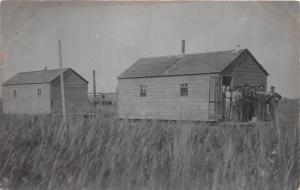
[252, 103]
[245, 102]
[237, 103]
[272, 101]
[261, 107]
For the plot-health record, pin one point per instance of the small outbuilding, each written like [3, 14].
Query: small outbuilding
[103, 98]
[39, 92]
[186, 86]
[108, 98]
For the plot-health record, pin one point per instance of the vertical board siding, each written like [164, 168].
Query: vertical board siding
[27, 100]
[246, 70]
[76, 94]
[215, 98]
[249, 72]
[163, 100]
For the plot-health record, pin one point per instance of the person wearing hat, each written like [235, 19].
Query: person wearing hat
[272, 100]
[237, 103]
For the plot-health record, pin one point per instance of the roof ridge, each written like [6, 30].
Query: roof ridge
[180, 55]
[41, 70]
[161, 56]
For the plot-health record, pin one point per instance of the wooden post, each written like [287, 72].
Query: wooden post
[183, 47]
[94, 84]
[62, 89]
[222, 98]
[95, 101]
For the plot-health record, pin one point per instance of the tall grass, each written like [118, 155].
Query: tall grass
[39, 152]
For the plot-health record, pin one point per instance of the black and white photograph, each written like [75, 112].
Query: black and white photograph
[149, 95]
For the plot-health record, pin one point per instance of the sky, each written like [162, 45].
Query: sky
[110, 36]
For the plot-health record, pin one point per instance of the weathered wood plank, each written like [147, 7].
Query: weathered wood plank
[27, 100]
[76, 94]
[163, 100]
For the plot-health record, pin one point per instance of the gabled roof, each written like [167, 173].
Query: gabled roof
[37, 77]
[200, 63]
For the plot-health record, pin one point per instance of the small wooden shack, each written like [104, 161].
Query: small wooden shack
[185, 87]
[108, 98]
[38, 92]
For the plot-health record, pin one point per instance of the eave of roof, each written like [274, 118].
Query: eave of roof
[155, 76]
[37, 77]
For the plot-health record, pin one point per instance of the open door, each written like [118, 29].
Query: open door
[215, 98]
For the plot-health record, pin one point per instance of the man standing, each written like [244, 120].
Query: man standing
[272, 100]
[245, 102]
[252, 103]
[228, 102]
[237, 103]
[261, 104]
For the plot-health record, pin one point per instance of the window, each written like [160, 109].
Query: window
[183, 89]
[103, 96]
[15, 93]
[143, 91]
[39, 92]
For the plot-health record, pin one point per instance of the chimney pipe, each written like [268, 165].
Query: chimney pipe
[94, 84]
[183, 47]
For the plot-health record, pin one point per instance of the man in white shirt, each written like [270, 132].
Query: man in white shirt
[228, 99]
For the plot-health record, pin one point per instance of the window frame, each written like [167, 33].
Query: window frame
[184, 89]
[143, 91]
[15, 93]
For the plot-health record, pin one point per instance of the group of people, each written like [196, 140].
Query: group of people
[247, 102]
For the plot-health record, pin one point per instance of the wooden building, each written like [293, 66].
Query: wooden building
[108, 98]
[185, 87]
[39, 92]
[103, 98]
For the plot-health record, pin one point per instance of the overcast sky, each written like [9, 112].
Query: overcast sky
[109, 37]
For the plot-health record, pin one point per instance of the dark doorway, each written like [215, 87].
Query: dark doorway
[227, 81]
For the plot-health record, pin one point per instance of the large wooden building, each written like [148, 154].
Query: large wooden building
[185, 87]
[39, 92]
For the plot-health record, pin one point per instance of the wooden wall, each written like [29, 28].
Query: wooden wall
[76, 94]
[163, 100]
[246, 70]
[27, 100]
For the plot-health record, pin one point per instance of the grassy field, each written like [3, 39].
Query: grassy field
[39, 152]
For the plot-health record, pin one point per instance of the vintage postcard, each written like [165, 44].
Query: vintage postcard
[149, 95]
